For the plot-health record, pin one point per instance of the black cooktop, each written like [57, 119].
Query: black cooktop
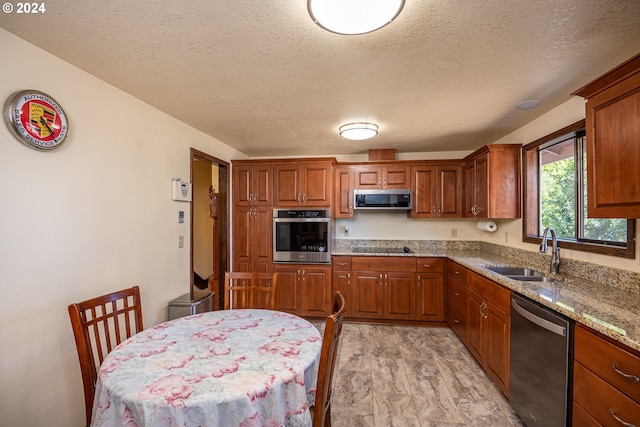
[375, 250]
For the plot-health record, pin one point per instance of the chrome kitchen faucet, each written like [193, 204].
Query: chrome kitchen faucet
[555, 250]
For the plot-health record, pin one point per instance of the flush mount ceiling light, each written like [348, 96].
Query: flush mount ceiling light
[525, 105]
[358, 131]
[353, 16]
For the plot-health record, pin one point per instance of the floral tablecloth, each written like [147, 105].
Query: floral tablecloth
[224, 368]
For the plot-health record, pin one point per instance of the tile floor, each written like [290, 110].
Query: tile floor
[409, 376]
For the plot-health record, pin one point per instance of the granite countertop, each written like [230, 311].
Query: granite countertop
[607, 308]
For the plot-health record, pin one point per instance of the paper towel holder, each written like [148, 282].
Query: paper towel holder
[488, 226]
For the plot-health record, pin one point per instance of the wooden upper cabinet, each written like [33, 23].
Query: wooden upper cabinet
[343, 192]
[492, 182]
[613, 142]
[437, 191]
[303, 183]
[252, 184]
[382, 176]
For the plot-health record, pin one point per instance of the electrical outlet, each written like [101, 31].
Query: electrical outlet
[181, 241]
[454, 232]
[506, 236]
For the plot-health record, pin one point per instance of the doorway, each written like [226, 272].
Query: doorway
[209, 225]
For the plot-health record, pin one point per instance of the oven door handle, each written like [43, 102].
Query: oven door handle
[543, 323]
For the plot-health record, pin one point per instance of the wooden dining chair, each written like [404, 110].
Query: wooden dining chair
[99, 325]
[250, 290]
[321, 410]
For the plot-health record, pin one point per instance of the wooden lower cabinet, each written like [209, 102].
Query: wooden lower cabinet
[605, 381]
[304, 289]
[488, 327]
[384, 288]
[391, 288]
[479, 315]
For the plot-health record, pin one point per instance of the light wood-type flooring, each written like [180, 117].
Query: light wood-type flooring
[408, 376]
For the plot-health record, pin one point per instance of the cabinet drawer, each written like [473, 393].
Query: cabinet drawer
[341, 263]
[457, 294]
[372, 263]
[430, 265]
[600, 356]
[458, 322]
[491, 291]
[581, 418]
[601, 400]
[457, 272]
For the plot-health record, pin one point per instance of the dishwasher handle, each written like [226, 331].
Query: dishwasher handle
[543, 323]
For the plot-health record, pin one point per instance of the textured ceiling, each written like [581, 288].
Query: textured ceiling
[262, 77]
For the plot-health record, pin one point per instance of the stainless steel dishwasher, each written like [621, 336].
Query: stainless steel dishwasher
[541, 364]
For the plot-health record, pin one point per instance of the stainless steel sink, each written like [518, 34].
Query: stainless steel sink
[520, 273]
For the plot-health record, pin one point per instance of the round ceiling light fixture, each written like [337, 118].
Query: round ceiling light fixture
[353, 16]
[525, 105]
[358, 131]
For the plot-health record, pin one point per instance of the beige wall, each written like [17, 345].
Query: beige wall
[93, 216]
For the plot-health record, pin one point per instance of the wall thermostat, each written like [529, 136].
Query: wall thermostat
[181, 190]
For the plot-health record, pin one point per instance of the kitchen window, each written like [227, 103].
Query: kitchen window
[555, 189]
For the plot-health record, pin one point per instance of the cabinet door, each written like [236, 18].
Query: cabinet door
[475, 320]
[367, 291]
[242, 247]
[341, 282]
[287, 298]
[496, 346]
[343, 191]
[252, 185]
[449, 190]
[261, 240]
[315, 292]
[399, 296]
[286, 184]
[481, 185]
[423, 186]
[430, 296]
[368, 177]
[469, 189]
[396, 177]
[316, 183]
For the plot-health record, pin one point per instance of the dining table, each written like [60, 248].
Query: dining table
[243, 367]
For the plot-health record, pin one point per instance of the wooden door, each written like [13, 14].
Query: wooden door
[242, 185]
[475, 321]
[242, 245]
[449, 191]
[482, 186]
[396, 177]
[261, 240]
[423, 186]
[430, 297]
[287, 298]
[341, 282]
[262, 184]
[316, 180]
[343, 191]
[496, 346]
[315, 291]
[399, 296]
[367, 291]
[368, 177]
[469, 188]
[286, 184]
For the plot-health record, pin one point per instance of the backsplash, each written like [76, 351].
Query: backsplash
[606, 276]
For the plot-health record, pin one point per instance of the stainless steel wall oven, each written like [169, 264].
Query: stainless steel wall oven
[302, 236]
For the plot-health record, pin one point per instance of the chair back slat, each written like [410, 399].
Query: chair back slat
[99, 325]
[250, 290]
[327, 364]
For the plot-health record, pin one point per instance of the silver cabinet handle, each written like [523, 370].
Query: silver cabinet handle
[627, 376]
[622, 422]
[419, 280]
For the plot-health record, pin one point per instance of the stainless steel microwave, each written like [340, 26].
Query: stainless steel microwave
[302, 236]
[382, 199]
